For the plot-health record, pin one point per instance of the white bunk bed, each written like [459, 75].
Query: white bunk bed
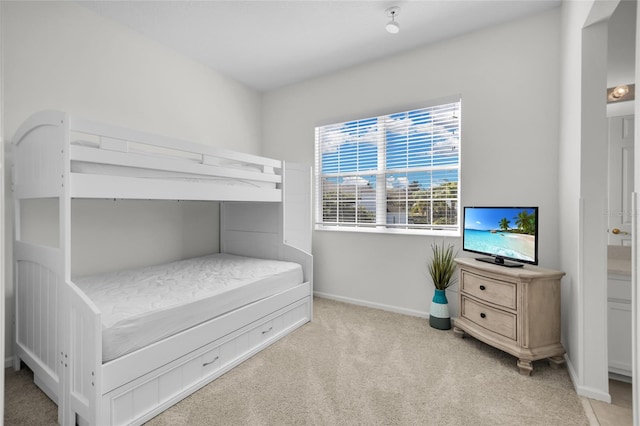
[265, 214]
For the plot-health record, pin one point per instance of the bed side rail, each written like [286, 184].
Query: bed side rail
[119, 146]
[84, 355]
[109, 186]
[292, 254]
[38, 155]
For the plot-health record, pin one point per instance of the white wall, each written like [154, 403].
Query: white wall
[59, 55]
[63, 56]
[508, 77]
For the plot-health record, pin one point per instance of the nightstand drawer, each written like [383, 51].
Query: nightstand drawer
[495, 320]
[501, 293]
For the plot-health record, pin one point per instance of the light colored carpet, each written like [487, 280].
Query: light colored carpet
[359, 366]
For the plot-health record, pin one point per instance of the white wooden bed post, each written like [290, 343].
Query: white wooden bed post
[38, 268]
[80, 318]
[68, 416]
[47, 303]
[84, 374]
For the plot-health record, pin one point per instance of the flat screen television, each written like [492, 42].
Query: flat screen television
[503, 234]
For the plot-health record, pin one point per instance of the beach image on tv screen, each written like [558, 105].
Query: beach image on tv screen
[507, 232]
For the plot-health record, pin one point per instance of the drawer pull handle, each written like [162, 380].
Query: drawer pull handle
[482, 287]
[210, 362]
[483, 315]
[266, 331]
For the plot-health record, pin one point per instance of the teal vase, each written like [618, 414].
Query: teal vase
[439, 313]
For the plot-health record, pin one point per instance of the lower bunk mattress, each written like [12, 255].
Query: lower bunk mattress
[146, 305]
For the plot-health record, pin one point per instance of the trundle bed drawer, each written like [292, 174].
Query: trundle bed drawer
[495, 320]
[133, 402]
[205, 364]
[501, 293]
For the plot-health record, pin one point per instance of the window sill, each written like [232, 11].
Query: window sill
[388, 231]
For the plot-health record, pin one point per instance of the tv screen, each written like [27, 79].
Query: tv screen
[502, 233]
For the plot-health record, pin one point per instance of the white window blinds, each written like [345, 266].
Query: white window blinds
[398, 171]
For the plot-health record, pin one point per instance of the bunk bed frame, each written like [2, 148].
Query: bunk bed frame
[58, 328]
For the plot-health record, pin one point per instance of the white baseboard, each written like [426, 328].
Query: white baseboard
[375, 305]
[8, 362]
[620, 377]
[585, 390]
[594, 394]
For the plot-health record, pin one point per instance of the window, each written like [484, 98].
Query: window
[397, 172]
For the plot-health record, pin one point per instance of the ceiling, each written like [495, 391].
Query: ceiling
[621, 56]
[268, 44]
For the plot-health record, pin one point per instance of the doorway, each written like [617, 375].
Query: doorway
[621, 176]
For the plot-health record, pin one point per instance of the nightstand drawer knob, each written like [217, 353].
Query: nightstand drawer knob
[483, 315]
[482, 287]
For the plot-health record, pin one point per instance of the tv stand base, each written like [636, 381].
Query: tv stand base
[500, 262]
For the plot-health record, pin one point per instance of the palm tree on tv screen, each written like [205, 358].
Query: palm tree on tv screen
[525, 222]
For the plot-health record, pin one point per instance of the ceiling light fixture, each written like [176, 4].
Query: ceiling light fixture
[392, 26]
[622, 92]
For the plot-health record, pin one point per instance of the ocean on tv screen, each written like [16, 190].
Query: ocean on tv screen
[498, 243]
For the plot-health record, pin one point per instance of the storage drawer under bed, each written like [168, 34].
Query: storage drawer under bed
[142, 399]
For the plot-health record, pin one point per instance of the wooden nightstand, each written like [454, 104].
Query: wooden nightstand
[516, 310]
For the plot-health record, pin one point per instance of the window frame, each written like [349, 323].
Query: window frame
[380, 225]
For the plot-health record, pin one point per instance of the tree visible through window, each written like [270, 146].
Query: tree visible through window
[398, 171]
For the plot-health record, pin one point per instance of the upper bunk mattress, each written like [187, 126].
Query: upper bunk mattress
[146, 305]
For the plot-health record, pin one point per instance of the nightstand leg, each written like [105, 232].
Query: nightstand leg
[525, 366]
[458, 332]
[556, 361]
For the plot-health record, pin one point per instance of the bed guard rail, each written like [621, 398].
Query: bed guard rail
[131, 148]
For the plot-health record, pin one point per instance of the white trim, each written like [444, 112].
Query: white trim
[390, 231]
[374, 305]
[580, 298]
[8, 361]
[620, 377]
[593, 393]
[585, 390]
